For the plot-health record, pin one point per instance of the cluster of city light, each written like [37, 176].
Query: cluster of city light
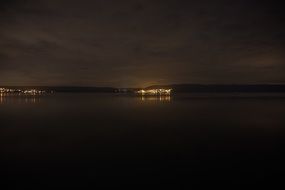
[19, 91]
[155, 92]
[7, 90]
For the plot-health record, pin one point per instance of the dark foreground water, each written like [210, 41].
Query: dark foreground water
[117, 140]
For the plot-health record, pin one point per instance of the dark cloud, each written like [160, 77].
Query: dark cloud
[141, 42]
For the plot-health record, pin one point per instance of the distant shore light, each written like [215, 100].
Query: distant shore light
[19, 91]
[155, 92]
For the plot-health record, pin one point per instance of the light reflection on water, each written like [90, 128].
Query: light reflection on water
[156, 98]
[7, 98]
[33, 99]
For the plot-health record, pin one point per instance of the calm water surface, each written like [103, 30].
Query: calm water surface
[185, 140]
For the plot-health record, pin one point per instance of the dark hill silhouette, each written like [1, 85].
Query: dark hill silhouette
[217, 88]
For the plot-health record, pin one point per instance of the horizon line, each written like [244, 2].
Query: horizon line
[202, 84]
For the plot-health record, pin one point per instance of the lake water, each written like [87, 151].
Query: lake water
[115, 139]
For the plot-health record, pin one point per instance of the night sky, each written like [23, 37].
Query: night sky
[127, 43]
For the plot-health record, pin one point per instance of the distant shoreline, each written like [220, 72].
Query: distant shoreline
[177, 88]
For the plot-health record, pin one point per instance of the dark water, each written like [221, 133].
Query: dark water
[117, 140]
